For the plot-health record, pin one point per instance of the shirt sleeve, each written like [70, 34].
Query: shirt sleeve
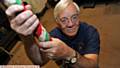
[92, 42]
[55, 33]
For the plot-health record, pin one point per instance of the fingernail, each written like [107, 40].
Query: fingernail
[28, 6]
[28, 14]
[41, 49]
[20, 7]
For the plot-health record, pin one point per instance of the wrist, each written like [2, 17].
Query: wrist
[72, 58]
[27, 39]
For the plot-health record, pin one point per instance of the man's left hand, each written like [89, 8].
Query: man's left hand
[56, 49]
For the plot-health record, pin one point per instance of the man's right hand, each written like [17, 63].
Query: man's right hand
[25, 22]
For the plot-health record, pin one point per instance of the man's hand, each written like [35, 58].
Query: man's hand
[56, 49]
[25, 22]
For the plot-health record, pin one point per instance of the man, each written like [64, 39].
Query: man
[74, 44]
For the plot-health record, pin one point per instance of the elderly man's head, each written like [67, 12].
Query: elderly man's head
[66, 14]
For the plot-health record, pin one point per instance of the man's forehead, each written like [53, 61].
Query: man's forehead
[68, 11]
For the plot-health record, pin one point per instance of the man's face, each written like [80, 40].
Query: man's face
[69, 21]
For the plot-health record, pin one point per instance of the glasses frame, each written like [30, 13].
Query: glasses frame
[65, 20]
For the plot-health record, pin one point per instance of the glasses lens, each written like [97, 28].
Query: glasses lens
[64, 20]
[73, 18]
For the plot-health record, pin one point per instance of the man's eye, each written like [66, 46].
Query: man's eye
[63, 20]
[74, 17]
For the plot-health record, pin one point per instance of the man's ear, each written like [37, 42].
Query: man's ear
[57, 22]
[58, 25]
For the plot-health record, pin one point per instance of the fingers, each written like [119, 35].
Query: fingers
[28, 7]
[31, 29]
[51, 53]
[50, 50]
[25, 22]
[51, 56]
[19, 19]
[28, 27]
[47, 44]
[13, 9]
[29, 22]
[16, 8]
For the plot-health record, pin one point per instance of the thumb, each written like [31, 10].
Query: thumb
[27, 7]
[46, 45]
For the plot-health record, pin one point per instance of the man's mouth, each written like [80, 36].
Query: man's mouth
[70, 30]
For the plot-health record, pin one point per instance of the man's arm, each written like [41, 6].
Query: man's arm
[92, 48]
[59, 50]
[86, 61]
[24, 24]
[33, 51]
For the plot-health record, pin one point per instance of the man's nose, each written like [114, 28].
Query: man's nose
[70, 23]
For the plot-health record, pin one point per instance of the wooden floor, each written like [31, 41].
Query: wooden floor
[105, 18]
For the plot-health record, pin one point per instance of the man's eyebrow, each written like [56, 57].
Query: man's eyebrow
[63, 17]
[76, 13]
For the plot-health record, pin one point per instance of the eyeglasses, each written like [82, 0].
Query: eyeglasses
[74, 18]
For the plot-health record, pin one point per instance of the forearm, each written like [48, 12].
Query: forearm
[33, 51]
[83, 62]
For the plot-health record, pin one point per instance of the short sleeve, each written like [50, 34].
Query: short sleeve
[55, 33]
[52, 33]
[92, 42]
